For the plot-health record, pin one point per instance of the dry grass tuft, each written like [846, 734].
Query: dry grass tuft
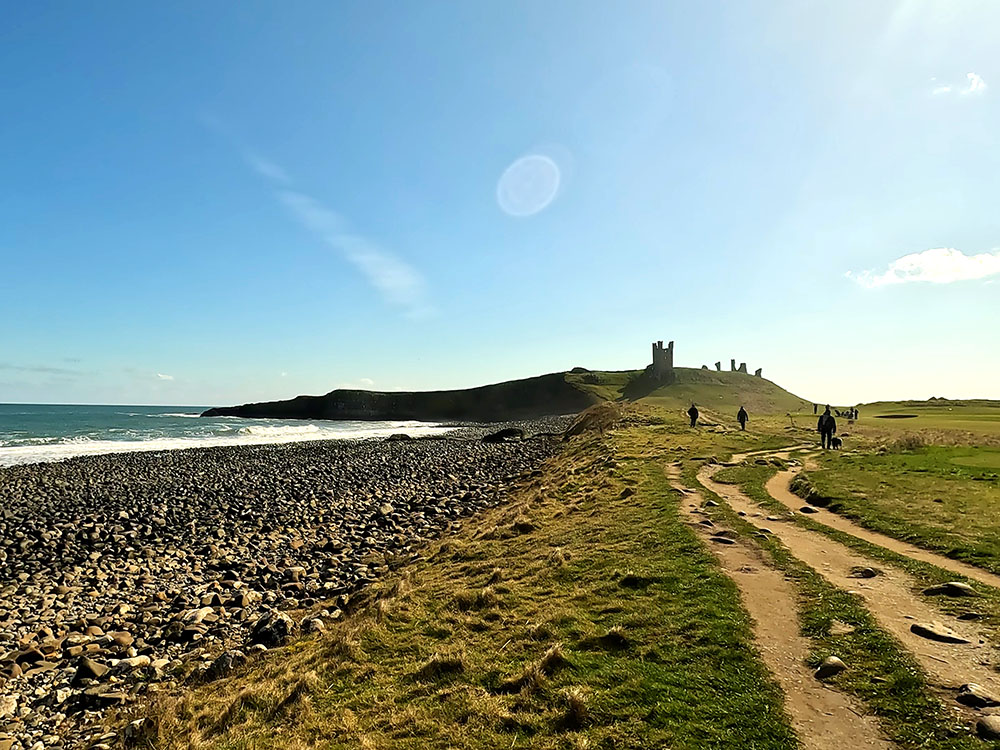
[441, 665]
[576, 712]
[383, 608]
[297, 703]
[553, 660]
[341, 647]
[541, 631]
[559, 557]
[614, 640]
[908, 442]
[476, 600]
[531, 680]
[523, 525]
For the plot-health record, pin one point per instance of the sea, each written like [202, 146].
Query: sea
[34, 433]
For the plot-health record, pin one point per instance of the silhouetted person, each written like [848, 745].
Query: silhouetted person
[742, 417]
[814, 408]
[693, 413]
[826, 426]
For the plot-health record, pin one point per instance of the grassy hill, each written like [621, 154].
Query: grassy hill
[709, 389]
[556, 393]
[515, 399]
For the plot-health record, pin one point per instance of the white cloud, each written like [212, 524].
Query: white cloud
[940, 265]
[397, 281]
[161, 376]
[976, 84]
[267, 168]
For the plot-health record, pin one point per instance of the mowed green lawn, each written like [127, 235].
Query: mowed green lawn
[937, 487]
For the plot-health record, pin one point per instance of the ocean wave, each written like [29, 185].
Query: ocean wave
[177, 415]
[271, 431]
[43, 449]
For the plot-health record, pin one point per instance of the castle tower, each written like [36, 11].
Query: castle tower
[663, 361]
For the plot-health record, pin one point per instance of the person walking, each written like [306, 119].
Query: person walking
[742, 417]
[826, 426]
[693, 413]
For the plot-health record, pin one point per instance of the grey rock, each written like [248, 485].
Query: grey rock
[952, 588]
[273, 629]
[831, 666]
[935, 631]
[988, 727]
[975, 696]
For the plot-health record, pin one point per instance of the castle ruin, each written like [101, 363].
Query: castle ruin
[663, 361]
[662, 368]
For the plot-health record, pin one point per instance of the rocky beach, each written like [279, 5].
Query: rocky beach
[125, 574]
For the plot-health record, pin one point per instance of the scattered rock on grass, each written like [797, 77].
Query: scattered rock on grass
[935, 631]
[831, 666]
[859, 572]
[975, 696]
[273, 629]
[952, 588]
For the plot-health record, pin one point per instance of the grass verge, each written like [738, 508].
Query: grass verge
[583, 614]
[882, 673]
[941, 498]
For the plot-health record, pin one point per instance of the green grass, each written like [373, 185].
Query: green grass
[721, 392]
[654, 648]
[978, 417]
[909, 712]
[752, 479]
[942, 498]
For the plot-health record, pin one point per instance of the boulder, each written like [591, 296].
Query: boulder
[501, 436]
[88, 669]
[273, 629]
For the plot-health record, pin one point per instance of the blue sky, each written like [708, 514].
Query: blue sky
[207, 204]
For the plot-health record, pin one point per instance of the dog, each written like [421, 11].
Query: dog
[836, 443]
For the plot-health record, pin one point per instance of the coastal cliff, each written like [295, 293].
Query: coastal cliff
[545, 395]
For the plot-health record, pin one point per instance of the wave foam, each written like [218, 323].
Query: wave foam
[269, 431]
[40, 450]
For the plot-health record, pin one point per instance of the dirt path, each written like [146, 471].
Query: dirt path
[823, 718]
[889, 597]
[777, 487]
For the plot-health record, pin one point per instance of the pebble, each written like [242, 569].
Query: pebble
[952, 588]
[119, 571]
[831, 666]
